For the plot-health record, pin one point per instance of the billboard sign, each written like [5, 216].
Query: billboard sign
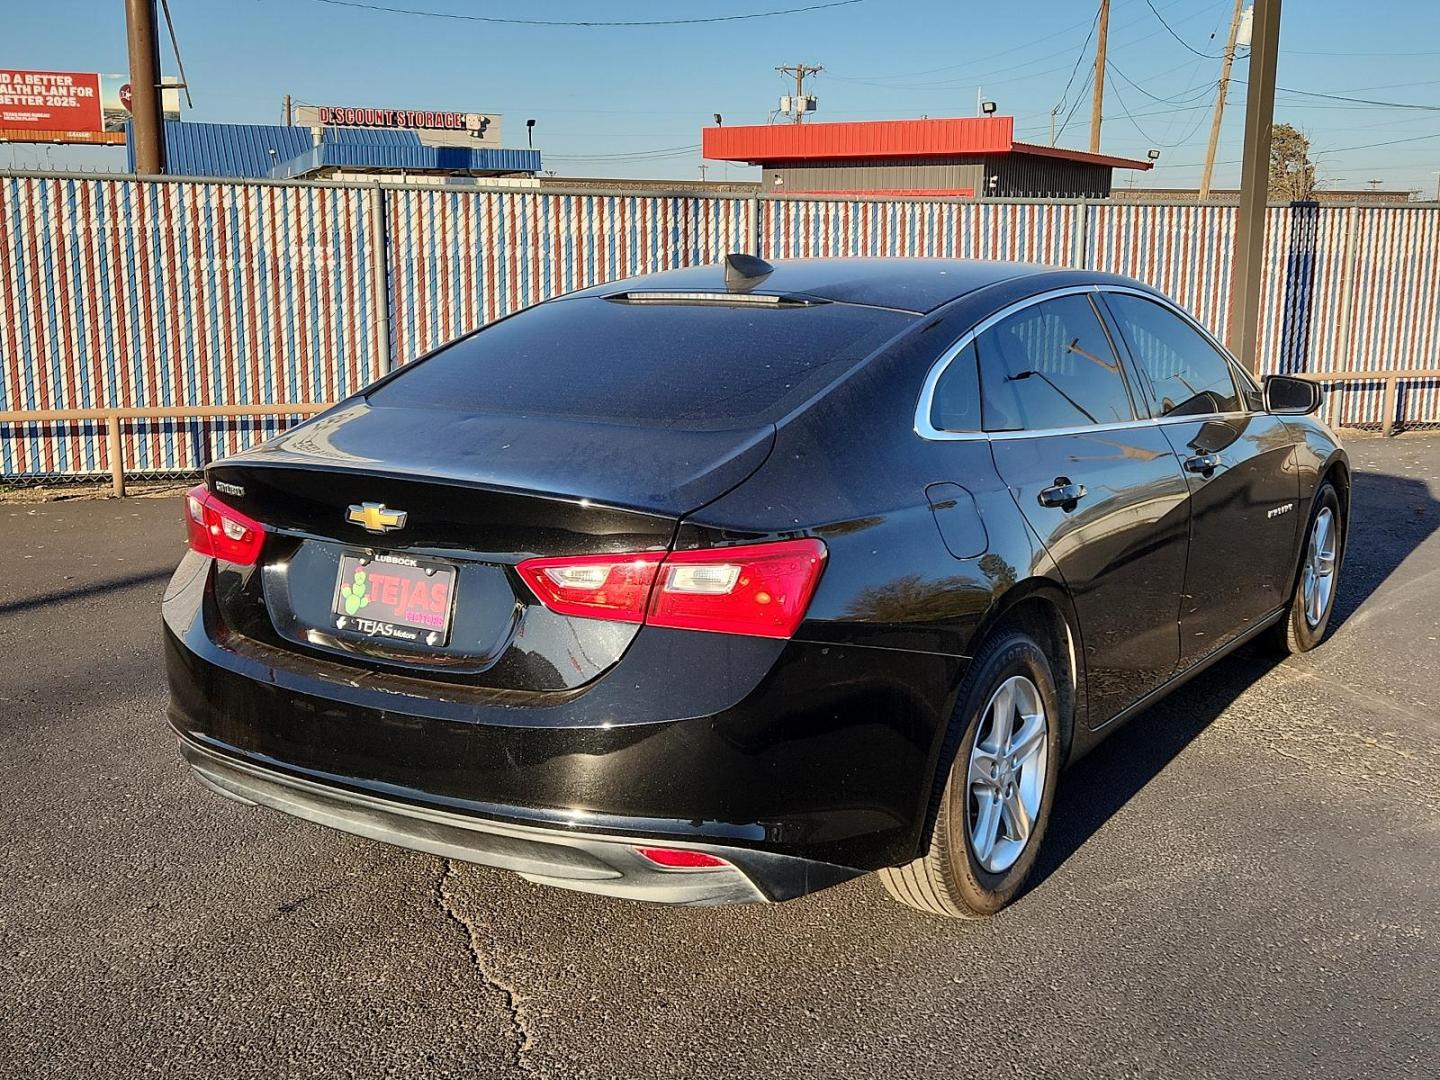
[69, 106]
[433, 128]
[50, 100]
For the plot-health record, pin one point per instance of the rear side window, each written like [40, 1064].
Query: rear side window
[1186, 376]
[701, 365]
[956, 403]
[1050, 366]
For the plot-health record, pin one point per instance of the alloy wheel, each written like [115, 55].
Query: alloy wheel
[1318, 580]
[1006, 778]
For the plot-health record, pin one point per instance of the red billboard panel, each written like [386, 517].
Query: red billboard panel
[50, 101]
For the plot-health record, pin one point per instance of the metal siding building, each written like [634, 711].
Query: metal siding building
[966, 156]
[1028, 176]
[282, 152]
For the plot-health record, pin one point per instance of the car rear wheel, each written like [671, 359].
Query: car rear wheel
[1313, 601]
[991, 813]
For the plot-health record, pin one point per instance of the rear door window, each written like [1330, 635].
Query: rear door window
[700, 365]
[1048, 366]
[1183, 373]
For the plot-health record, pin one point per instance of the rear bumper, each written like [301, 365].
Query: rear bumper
[802, 764]
[569, 859]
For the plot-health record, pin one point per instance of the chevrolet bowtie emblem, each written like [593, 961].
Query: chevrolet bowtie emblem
[375, 517]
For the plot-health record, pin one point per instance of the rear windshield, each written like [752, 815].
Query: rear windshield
[672, 365]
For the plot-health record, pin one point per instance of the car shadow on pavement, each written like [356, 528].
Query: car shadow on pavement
[1101, 783]
[1392, 516]
[82, 590]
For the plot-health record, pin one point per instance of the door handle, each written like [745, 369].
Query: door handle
[1064, 494]
[1202, 463]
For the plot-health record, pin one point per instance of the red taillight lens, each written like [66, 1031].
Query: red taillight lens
[220, 531]
[759, 590]
[598, 586]
[680, 859]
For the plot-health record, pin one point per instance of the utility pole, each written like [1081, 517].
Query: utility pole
[147, 120]
[1098, 101]
[801, 72]
[1220, 94]
[1249, 252]
[288, 113]
[1052, 124]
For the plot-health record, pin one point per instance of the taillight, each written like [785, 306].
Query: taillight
[759, 590]
[598, 586]
[221, 531]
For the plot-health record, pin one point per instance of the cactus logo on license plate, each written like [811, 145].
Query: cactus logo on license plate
[394, 597]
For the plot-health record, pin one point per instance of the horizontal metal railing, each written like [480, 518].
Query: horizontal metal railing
[114, 417]
[1391, 379]
[116, 444]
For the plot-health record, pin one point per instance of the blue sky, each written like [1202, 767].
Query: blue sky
[631, 102]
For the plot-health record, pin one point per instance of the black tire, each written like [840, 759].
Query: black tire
[948, 879]
[1297, 632]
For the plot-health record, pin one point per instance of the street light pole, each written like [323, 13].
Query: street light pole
[147, 121]
[1243, 334]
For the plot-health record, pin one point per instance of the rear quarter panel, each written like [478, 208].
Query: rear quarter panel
[896, 611]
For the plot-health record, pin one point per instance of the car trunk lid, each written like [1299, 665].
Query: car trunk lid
[434, 510]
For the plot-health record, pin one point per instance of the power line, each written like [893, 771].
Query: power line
[1373, 145]
[1318, 153]
[1125, 111]
[988, 56]
[1189, 94]
[1079, 98]
[1361, 101]
[668, 151]
[1079, 59]
[588, 23]
[1177, 37]
[1308, 52]
[870, 80]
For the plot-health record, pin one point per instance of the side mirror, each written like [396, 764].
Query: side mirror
[1289, 396]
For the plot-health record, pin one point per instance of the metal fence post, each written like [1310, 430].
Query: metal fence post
[1392, 389]
[117, 455]
[1080, 244]
[755, 224]
[1347, 279]
[380, 280]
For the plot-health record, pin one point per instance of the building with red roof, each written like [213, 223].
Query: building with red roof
[974, 157]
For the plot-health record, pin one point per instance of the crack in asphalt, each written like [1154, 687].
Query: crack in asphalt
[514, 1000]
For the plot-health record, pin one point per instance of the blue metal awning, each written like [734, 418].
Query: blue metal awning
[417, 158]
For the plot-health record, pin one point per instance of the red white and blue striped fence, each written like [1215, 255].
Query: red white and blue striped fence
[166, 295]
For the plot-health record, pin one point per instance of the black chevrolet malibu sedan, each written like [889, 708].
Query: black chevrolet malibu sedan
[732, 583]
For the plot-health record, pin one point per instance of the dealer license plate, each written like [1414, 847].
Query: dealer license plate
[395, 597]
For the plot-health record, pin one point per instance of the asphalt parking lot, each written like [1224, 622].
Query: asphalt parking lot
[1246, 881]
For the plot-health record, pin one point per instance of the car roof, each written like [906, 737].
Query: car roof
[916, 285]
